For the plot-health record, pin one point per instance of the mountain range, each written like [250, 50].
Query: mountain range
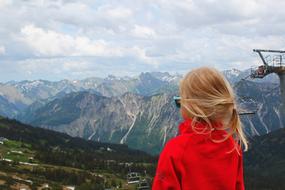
[137, 111]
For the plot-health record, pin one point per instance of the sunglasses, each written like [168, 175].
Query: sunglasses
[177, 100]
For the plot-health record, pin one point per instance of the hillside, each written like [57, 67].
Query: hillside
[47, 157]
[33, 157]
[265, 162]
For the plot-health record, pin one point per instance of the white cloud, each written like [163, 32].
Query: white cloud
[72, 66]
[140, 53]
[51, 43]
[67, 67]
[117, 12]
[4, 3]
[55, 66]
[143, 32]
[163, 34]
[2, 50]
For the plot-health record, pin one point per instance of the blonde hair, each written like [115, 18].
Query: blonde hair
[206, 96]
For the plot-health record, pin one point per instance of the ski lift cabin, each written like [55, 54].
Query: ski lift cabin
[259, 72]
[133, 177]
[143, 185]
[273, 62]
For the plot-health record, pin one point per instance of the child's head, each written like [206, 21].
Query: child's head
[207, 96]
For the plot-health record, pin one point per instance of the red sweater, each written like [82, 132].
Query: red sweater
[192, 161]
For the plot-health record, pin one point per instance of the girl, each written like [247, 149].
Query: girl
[207, 154]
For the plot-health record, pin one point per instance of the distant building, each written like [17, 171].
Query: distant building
[110, 150]
[29, 181]
[44, 186]
[133, 177]
[7, 160]
[143, 185]
[16, 151]
[2, 140]
[69, 188]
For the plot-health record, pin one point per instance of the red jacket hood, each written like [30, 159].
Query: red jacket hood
[186, 126]
[192, 161]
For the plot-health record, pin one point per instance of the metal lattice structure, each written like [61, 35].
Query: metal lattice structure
[273, 62]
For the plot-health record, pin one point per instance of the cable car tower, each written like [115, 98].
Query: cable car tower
[273, 62]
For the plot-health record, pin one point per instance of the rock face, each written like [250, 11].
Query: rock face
[265, 99]
[142, 122]
[137, 111]
[282, 93]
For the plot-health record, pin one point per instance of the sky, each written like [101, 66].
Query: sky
[72, 39]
